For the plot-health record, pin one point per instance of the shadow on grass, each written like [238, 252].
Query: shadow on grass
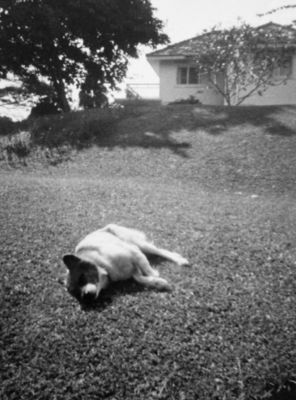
[129, 127]
[276, 120]
[106, 298]
[153, 126]
[284, 392]
[117, 289]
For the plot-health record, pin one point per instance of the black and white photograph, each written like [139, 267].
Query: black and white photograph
[148, 200]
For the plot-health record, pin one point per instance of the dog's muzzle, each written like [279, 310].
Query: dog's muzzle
[89, 292]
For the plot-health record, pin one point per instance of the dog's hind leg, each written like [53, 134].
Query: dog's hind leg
[138, 239]
[152, 281]
[142, 264]
[150, 248]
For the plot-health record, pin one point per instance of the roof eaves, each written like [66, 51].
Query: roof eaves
[175, 45]
[167, 56]
[276, 25]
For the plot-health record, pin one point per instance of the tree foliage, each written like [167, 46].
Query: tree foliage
[241, 60]
[67, 42]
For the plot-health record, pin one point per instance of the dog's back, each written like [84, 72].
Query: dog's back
[128, 235]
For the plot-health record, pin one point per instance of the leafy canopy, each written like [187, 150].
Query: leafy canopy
[74, 42]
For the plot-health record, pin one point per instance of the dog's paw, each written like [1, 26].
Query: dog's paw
[163, 285]
[182, 261]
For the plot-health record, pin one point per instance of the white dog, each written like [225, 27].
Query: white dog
[114, 253]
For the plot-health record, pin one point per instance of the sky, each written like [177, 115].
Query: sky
[184, 19]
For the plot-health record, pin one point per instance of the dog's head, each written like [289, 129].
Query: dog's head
[84, 279]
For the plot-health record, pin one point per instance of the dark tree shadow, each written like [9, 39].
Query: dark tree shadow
[276, 120]
[216, 120]
[285, 392]
[155, 126]
[162, 127]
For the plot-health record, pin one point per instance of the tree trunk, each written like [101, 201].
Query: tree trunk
[58, 83]
[61, 95]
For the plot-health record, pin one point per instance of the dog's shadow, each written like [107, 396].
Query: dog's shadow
[117, 289]
[107, 296]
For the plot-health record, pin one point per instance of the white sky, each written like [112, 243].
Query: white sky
[184, 19]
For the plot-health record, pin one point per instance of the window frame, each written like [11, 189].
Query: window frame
[284, 68]
[187, 75]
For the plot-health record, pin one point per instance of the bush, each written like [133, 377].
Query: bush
[78, 129]
[44, 107]
[7, 126]
[18, 144]
[189, 100]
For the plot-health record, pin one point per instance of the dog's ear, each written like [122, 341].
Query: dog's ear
[71, 261]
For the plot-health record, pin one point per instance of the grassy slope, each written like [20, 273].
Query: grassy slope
[217, 186]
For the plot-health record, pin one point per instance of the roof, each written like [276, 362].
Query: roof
[187, 47]
[190, 47]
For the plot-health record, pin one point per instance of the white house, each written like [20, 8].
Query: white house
[179, 78]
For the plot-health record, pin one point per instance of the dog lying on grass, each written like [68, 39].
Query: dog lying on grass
[111, 254]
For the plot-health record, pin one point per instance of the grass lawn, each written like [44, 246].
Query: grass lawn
[217, 185]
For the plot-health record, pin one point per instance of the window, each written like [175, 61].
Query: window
[187, 76]
[283, 69]
[182, 76]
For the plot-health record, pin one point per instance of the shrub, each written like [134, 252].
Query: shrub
[18, 144]
[45, 107]
[78, 129]
[7, 126]
[190, 100]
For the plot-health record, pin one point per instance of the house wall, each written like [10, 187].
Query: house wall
[282, 93]
[171, 91]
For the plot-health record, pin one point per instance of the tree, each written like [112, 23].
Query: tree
[61, 43]
[241, 60]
